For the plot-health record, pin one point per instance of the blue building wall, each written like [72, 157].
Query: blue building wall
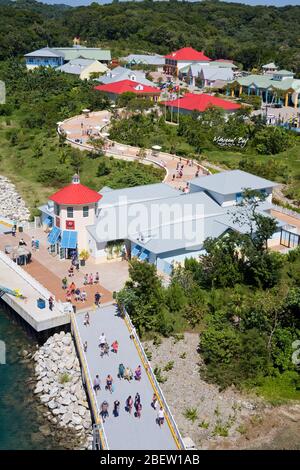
[44, 61]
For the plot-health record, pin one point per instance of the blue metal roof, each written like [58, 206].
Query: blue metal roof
[69, 239]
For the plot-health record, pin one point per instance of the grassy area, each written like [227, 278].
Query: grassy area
[37, 165]
[279, 389]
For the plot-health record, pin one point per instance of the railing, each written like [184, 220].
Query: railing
[42, 291]
[284, 210]
[88, 381]
[129, 147]
[160, 396]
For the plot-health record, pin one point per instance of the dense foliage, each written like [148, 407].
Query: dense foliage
[31, 153]
[251, 35]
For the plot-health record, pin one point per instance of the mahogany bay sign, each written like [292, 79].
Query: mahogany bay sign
[240, 142]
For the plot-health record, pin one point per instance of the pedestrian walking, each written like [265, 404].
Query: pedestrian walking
[138, 410]
[96, 278]
[71, 271]
[91, 279]
[97, 384]
[138, 373]
[137, 399]
[51, 303]
[129, 404]
[109, 383]
[121, 371]
[85, 346]
[115, 346]
[154, 401]
[102, 340]
[104, 410]
[86, 279]
[86, 319]
[64, 283]
[116, 408]
[97, 298]
[32, 243]
[160, 417]
[13, 230]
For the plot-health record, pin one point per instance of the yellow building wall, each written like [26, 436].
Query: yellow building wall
[95, 67]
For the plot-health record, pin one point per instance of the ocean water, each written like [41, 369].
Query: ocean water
[21, 415]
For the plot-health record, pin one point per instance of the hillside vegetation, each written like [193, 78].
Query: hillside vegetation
[249, 35]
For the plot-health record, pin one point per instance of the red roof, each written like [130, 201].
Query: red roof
[127, 85]
[187, 53]
[201, 102]
[75, 194]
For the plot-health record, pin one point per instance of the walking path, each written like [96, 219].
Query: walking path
[125, 431]
[75, 129]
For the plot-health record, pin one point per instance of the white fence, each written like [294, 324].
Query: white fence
[284, 210]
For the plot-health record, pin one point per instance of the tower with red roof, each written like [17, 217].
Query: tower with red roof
[68, 212]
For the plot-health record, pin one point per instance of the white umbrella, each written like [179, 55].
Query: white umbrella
[156, 147]
[86, 110]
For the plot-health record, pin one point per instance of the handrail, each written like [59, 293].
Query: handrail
[161, 398]
[88, 381]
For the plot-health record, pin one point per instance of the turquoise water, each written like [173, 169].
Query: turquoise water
[20, 417]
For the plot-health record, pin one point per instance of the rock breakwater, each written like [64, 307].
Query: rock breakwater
[59, 387]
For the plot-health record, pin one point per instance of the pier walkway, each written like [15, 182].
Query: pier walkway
[125, 431]
[14, 277]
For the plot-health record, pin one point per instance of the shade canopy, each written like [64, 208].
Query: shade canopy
[69, 239]
[54, 235]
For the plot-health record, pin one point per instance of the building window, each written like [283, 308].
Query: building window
[85, 211]
[70, 212]
[56, 209]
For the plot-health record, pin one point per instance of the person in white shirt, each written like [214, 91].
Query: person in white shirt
[160, 417]
[102, 340]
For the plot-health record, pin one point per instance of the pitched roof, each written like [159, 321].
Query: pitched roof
[271, 65]
[201, 102]
[75, 194]
[151, 59]
[45, 52]
[128, 86]
[230, 182]
[187, 53]
[267, 81]
[77, 66]
[216, 73]
[119, 74]
[75, 52]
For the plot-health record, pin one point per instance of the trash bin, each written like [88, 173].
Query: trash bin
[20, 229]
[41, 303]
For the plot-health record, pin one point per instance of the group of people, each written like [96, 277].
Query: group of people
[127, 374]
[79, 295]
[123, 373]
[89, 279]
[129, 405]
